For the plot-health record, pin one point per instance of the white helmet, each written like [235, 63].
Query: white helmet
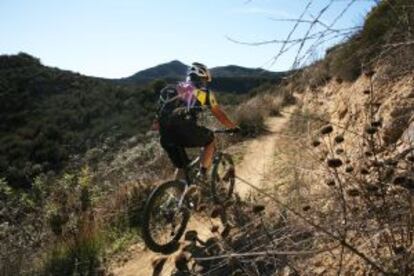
[199, 70]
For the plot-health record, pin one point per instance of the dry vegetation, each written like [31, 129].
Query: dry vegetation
[251, 114]
[338, 201]
[69, 226]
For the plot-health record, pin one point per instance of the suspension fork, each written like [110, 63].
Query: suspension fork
[216, 157]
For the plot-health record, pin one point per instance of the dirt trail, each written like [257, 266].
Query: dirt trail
[256, 162]
[140, 260]
[259, 155]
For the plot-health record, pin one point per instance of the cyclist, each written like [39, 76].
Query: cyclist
[179, 106]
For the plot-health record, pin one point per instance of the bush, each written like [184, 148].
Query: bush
[79, 257]
[346, 62]
[251, 115]
[250, 121]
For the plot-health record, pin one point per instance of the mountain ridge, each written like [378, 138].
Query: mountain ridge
[230, 78]
[177, 70]
[169, 70]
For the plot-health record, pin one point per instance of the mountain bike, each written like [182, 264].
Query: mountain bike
[169, 206]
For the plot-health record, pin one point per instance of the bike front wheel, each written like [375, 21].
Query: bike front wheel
[222, 178]
[165, 217]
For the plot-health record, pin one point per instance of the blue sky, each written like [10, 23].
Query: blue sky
[116, 38]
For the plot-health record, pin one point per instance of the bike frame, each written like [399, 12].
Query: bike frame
[188, 181]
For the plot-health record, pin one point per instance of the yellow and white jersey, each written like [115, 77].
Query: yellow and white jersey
[205, 98]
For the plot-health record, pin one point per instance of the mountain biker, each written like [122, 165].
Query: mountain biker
[179, 106]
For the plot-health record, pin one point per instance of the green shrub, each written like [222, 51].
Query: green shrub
[346, 63]
[389, 22]
[79, 239]
[120, 239]
[79, 257]
[85, 189]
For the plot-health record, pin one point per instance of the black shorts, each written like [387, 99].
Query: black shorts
[183, 134]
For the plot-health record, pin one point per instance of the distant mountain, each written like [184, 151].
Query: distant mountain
[231, 78]
[173, 70]
[234, 71]
[240, 80]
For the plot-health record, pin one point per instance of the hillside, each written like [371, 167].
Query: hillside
[233, 71]
[232, 78]
[48, 116]
[51, 118]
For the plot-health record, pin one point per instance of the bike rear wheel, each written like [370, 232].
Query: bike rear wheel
[222, 178]
[164, 220]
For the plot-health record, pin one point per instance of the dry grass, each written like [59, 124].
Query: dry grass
[251, 115]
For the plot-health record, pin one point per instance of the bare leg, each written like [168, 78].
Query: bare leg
[207, 156]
